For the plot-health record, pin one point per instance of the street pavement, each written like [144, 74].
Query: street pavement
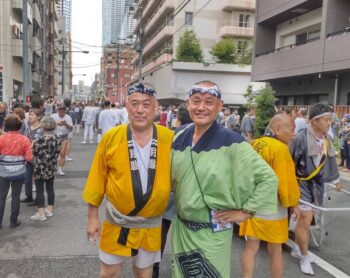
[58, 247]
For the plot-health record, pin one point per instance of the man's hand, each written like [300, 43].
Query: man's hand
[339, 186]
[228, 216]
[93, 226]
[296, 212]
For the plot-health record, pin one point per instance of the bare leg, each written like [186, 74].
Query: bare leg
[276, 259]
[248, 258]
[302, 229]
[143, 272]
[110, 271]
[63, 153]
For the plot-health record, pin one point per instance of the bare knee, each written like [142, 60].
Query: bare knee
[305, 219]
[274, 249]
[143, 272]
[110, 271]
[252, 246]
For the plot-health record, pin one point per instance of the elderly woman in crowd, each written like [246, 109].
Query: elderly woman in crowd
[33, 132]
[15, 152]
[45, 151]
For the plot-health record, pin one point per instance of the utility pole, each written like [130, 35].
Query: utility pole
[63, 60]
[26, 81]
[118, 60]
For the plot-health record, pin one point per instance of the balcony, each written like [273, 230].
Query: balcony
[234, 30]
[17, 48]
[233, 5]
[164, 9]
[292, 60]
[35, 44]
[17, 4]
[336, 53]
[146, 13]
[159, 38]
[135, 58]
[163, 59]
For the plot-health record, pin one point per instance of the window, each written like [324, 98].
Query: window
[301, 39]
[244, 20]
[188, 18]
[314, 35]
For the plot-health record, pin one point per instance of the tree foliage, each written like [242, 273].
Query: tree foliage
[189, 48]
[250, 97]
[265, 109]
[224, 52]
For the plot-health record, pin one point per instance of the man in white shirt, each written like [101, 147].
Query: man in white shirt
[89, 117]
[64, 126]
[108, 118]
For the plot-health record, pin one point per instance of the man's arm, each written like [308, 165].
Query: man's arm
[93, 226]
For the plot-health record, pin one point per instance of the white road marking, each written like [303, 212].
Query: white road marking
[331, 269]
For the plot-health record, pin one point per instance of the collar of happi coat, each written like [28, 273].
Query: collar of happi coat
[312, 149]
[140, 198]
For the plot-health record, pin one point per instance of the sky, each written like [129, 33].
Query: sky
[86, 29]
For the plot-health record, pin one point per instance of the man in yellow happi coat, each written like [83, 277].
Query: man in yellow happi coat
[273, 228]
[131, 170]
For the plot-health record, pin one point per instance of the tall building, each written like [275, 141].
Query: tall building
[64, 8]
[116, 21]
[42, 33]
[163, 23]
[302, 49]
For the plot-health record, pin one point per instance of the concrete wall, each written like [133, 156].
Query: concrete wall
[338, 15]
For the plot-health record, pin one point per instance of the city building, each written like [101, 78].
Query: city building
[116, 70]
[302, 50]
[117, 22]
[42, 33]
[64, 8]
[163, 23]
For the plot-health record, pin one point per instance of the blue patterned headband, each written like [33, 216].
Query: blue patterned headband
[143, 89]
[214, 90]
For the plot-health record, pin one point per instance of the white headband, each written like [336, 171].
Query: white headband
[323, 114]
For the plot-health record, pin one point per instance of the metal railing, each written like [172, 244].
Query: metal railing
[340, 32]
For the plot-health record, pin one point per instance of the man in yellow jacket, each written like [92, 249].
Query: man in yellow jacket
[273, 228]
[131, 170]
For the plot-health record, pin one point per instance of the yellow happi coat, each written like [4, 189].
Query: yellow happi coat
[110, 177]
[274, 227]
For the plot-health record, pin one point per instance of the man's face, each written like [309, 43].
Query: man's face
[61, 112]
[322, 124]
[203, 108]
[141, 110]
[227, 112]
[286, 131]
[2, 108]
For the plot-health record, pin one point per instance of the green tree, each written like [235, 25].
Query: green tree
[265, 109]
[189, 48]
[245, 57]
[224, 52]
[250, 97]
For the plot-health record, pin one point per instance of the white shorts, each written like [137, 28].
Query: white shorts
[143, 259]
[304, 207]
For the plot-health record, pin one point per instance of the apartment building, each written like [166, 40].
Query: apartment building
[302, 49]
[116, 71]
[164, 22]
[42, 31]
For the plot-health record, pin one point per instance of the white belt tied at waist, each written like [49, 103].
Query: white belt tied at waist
[115, 217]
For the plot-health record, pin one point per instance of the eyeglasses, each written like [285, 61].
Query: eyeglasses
[141, 88]
[214, 90]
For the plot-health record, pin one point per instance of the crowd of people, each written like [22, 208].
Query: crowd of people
[196, 167]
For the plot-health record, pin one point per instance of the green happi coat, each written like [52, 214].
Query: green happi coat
[231, 175]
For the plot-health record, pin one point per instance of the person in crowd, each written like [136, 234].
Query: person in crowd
[89, 118]
[163, 116]
[225, 117]
[15, 152]
[70, 111]
[233, 122]
[78, 110]
[344, 142]
[334, 129]
[46, 151]
[38, 103]
[209, 195]
[247, 125]
[183, 118]
[20, 112]
[33, 132]
[171, 117]
[99, 130]
[64, 125]
[315, 161]
[3, 114]
[108, 118]
[48, 107]
[301, 120]
[131, 171]
[273, 228]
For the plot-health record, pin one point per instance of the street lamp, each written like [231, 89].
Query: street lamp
[64, 54]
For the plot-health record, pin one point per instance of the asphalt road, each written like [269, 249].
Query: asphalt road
[58, 246]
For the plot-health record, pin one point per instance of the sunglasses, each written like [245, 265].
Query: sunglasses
[141, 88]
[214, 90]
